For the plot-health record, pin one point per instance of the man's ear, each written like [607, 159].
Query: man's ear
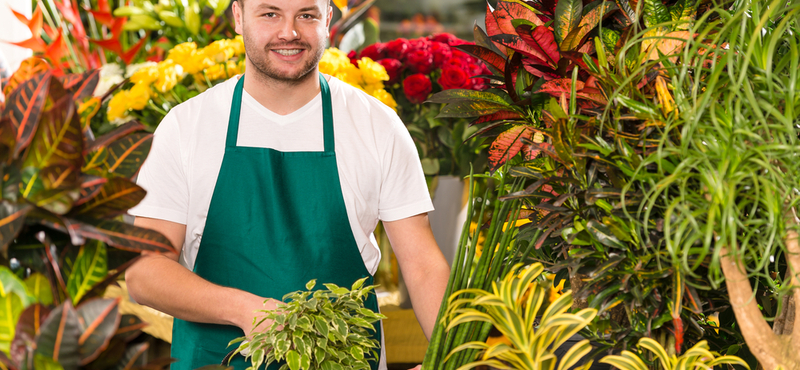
[238, 13]
[330, 16]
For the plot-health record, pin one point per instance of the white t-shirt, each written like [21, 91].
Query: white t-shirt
[379, 170]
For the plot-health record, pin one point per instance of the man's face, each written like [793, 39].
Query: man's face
[284, 39]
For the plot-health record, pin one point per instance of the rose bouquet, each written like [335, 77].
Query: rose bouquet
[417, 69]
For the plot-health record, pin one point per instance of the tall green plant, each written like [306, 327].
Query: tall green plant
[725, 176]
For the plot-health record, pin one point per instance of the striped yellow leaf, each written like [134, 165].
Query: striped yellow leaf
[626, 361]
[655, 347]
[574, 354]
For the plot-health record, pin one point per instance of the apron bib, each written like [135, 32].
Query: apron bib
[276, 220]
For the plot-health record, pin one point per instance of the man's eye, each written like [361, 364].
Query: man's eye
[307, 16]
[269, 15]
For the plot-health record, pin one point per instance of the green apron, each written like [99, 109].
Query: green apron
[276, 220]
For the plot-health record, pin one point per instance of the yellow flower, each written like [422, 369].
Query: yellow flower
[555, 290]
[219, 51]
[117, 106]
[333, 61]
[169, 74]
[371, 71]
[341, 4]
[385, 98]
[351, 75]
[238, 45]
[183, 53]
[145, 75]
[138, 96]
[222, 70]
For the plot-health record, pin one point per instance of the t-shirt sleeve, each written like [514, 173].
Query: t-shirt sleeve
[163, 176]
[404, 192]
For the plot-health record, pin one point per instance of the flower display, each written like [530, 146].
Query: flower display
[363, 73]
[154, 84]
[417, 68]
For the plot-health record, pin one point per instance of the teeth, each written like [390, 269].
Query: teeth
[288, 52]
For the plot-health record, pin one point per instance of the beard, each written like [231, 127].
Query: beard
[261, 62]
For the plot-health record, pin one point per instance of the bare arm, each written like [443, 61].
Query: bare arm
[424, 268]
[160, 282]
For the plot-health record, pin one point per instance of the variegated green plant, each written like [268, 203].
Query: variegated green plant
[697, 357]
[323, 329]
[512, 307]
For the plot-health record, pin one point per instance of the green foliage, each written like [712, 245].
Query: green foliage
[322, 329]
[697, 357]
[62, 198]
[512, 306]
[176, 21]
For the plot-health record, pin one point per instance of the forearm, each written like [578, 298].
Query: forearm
[426, 286]
[163, 284]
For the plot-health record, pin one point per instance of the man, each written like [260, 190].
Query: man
[274, 179]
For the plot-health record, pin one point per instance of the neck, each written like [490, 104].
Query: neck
[281, 97]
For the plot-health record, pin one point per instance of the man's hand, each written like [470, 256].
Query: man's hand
[255, 316]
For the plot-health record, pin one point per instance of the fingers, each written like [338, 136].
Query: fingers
[418, 367]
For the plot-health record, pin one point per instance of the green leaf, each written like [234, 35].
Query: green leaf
[310, 285]
[39, 287]
[655, 12]
[10, 283]
[457, 95]
[12, 219]
[567, 17]
[603, 234]
[357, 352]
[24, 107]
[127, 154]
[91, 267]
[10, 309]
[114, 198]
[44, 363]
[293, 360]
[471, 109]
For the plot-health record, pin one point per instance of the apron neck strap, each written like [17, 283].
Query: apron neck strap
[327, 114]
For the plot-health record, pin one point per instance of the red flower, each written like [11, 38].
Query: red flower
[353, 57]
[455, 62]
[441, 52]
[375, 52]
[447, 38]
[393, 68]
[420, 44]
[417, 87]
[420, 61]
[397, 48]
[454, 78]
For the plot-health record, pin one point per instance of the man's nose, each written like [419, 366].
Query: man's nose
[288, 30]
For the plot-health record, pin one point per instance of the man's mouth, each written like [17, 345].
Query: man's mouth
[287, 52]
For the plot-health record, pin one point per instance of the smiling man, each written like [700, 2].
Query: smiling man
[274, 178]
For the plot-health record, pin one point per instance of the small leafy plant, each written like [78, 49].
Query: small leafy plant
[697, 357]
[322, 329]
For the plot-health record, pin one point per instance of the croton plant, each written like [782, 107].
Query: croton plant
[581, 93]
[63, 194]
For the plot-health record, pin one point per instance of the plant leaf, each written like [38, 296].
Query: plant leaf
[506, 12]
[126, 155]
[39, 287]
[516, 43]
[12, 219]
[100, 320]
[133, 357]
[116, 196]
[120, 235]
[567, 17]
[457, 95]
[58, 338]
[655, 12]
[90, 267]
[470, 109]
[24, 106]
[507, 145]
[28, 326]
[496, 62]
[82, 85]
[542, 39]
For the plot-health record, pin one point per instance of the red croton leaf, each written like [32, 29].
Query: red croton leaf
[507, 145]
[506, 12]
[541, 71]
[560, 86]
[492, 27]
[542, 40]
[489, 57]
[498, 116]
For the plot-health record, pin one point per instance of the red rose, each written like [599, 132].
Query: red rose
[441, 52]
[353, 57]
[420, 61]
[375, 52]
[454, 78]
[447, 38]
[397, 48]
[417, 87]
[419, 44]
[475, 69]
[455, 62]
[393, 68]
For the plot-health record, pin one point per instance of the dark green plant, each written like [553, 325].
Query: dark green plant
[63, 194]
[322, 329]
